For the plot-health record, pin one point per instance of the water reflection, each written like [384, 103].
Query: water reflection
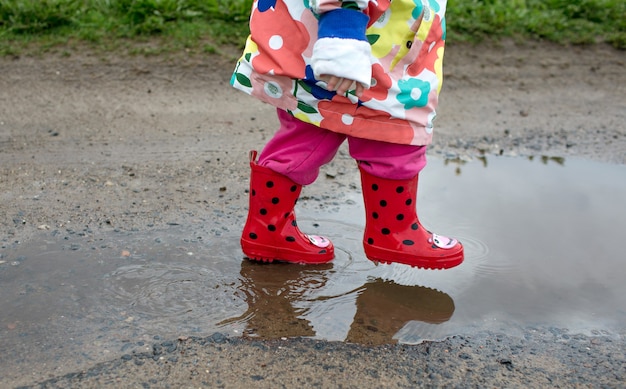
[458, 162]
[275, 294]
[539, 237]
[270, 291]
[384, 307]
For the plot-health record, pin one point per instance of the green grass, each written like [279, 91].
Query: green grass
[155, 26]
[560, 21]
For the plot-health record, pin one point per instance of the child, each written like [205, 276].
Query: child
[368, 71]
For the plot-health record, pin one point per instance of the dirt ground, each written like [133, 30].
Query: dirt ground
[104, 142]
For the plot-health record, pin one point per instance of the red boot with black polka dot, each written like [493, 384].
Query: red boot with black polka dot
[393, 232]
[271, 232]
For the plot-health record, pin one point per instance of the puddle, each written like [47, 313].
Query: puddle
[542, 250]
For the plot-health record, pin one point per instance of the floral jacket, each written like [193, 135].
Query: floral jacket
[407, 44]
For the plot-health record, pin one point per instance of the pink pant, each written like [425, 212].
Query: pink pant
[299, 149]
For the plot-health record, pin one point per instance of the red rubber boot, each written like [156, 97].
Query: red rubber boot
[393, 232]
[271, 232]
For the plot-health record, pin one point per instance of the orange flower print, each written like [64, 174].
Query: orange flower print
[280, 38]
[430, 52]
[366, 123]
[381, 83]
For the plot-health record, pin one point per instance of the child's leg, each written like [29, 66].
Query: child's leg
[292, 158]
[389, 160]
[393, 233]
[299, 149]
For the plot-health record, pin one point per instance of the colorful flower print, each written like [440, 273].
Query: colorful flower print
[413, 93]
[361, 121]
[280, 47]
[381, 83]
[310, 83]
[383, 38]
[407, 39]
[274, 90]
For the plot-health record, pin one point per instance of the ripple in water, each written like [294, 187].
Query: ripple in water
[479, 261]
[162, 289]
[182, 293]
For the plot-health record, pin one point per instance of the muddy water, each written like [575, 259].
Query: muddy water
[543, 249]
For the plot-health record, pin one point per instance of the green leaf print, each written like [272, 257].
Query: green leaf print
[248, 56]
[304, 86]
[306, 108]
[373, 38]
[243, 80]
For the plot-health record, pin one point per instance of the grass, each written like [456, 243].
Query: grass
[560, 21]
[205, 25]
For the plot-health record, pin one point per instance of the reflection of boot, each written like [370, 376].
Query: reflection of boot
[271, 231]
[384, 307]
[271, 292]
[393, 232]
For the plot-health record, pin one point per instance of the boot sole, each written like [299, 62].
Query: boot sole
[380, 255]
[260, 253]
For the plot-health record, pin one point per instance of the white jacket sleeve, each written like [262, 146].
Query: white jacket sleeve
[342, 49]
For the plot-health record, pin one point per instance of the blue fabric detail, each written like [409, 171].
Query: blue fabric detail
[265, 5]
[317, 91]
[343, 23]
[309, 75]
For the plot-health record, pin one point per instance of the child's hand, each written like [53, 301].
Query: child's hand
[342, 54]
[342, 85]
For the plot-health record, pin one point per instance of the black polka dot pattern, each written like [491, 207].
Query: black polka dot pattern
[393, 232]
[391, 209]
[271, 231]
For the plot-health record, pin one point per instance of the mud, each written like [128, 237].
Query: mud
[96, 149]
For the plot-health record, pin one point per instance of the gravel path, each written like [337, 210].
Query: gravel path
[100, 143]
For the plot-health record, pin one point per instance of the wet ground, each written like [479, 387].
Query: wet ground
[123, 192]
[541, 254]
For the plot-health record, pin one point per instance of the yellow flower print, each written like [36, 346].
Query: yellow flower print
[384, 39]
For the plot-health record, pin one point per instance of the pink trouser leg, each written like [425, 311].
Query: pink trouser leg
[388, 160]
[299, 149]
